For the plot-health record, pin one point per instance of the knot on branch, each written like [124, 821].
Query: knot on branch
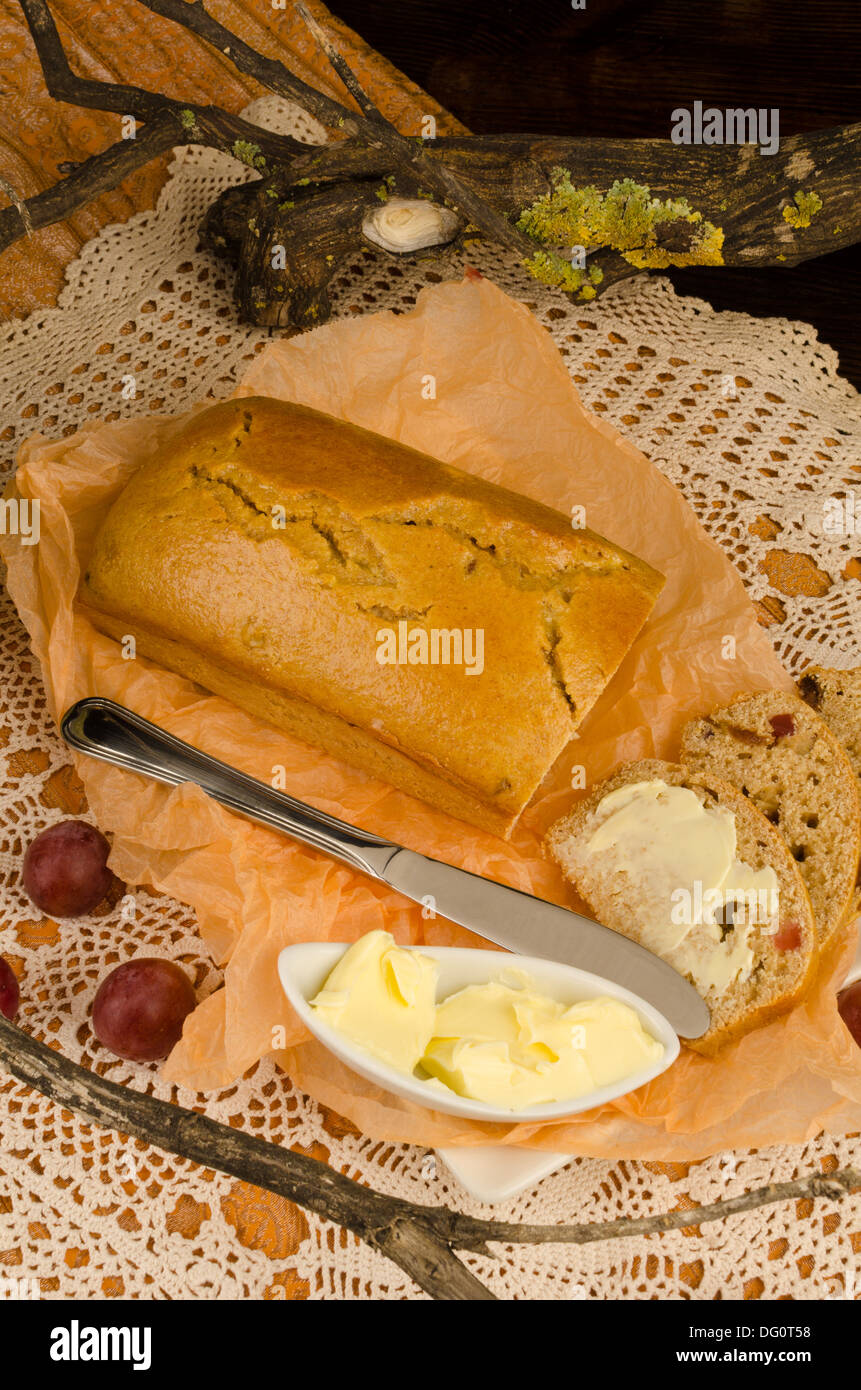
[834, 1186]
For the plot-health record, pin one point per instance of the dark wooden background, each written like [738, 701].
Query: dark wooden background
[619, 68]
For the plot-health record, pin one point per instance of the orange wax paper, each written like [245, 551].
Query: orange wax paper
[471, 377]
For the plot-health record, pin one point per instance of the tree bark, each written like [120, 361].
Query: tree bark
[763, 210]
[421, 1240]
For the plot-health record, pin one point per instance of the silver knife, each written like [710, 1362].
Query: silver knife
[508, 917]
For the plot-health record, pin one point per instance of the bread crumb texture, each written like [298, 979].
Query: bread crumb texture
[783, 757]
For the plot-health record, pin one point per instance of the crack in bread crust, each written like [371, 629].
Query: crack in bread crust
[346, 558]
[272, 540]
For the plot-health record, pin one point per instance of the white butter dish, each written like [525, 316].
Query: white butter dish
[303, 969]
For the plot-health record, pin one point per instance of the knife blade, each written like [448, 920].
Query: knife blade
[530, 926]
[506, 916]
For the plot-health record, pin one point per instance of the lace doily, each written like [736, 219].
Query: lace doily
[752, 422]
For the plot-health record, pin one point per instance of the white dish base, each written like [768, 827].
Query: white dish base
[496, 1172]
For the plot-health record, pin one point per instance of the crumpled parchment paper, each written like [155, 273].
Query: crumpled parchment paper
[469, 376]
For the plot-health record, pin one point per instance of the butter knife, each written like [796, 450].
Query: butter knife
[506, 916]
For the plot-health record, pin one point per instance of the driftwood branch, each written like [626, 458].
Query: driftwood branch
[421, 1240]
[310, 202]
[269, 72]
[731, 185]
[394, 1228]
[409, 157]
[194, 124]
[96, 175]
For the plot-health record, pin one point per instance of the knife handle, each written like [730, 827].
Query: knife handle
[103, 729]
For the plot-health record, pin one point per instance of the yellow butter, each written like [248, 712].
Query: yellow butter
[677, 858]
[514, 1047]
[503, 1043]
[382, 998]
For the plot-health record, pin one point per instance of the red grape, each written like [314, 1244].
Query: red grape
[66, 870]
[139, 1009]
[849, 1004]
[8, 990]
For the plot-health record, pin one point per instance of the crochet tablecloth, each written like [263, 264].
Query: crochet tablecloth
[751, 420]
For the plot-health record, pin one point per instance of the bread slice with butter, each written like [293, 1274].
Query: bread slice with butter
[786, 760]
[637, 848]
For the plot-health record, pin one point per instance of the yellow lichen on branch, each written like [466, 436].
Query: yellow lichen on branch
[552, 269]
[625, 219]
[806, 206]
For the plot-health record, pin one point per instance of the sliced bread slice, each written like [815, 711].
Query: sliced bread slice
[781, 755]
[836, 697]
[780, 952]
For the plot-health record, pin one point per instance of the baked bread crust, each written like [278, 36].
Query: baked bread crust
[263, 551]
[780, 977]
[800, 778]
[836, 697]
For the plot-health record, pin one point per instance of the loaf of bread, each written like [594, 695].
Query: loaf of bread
[630, 899]
[781, 755]
[426, 626]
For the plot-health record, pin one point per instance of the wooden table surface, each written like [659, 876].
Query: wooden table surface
[619, 68]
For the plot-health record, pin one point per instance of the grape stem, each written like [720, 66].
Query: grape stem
[421, 1240]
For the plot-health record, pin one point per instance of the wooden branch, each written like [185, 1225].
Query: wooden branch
[743, 192]
[311, 201]
[269, 72]
[342, 68]
[195, 124]
[471, 1233]
[745, 196]
[64, 85]
[96, 175]
[286, 252]
[421, 1240]
[404, 1233]
[409, 156]
[19, 209]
